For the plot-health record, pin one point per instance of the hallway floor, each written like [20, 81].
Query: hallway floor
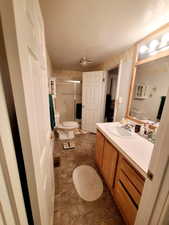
[70, 209]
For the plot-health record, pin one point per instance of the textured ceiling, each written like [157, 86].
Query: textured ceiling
[97, 29]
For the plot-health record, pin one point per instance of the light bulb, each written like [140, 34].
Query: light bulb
[153, 53]
[153, 45]
[165, 37]
[164, 40]
[143, 49]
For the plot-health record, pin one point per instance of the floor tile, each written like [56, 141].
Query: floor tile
[70, 209]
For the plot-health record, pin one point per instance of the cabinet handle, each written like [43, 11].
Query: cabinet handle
[150, 175]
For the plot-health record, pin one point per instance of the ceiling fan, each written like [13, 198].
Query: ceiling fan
[84, 61]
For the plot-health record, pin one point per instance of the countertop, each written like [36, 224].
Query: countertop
[135, 148]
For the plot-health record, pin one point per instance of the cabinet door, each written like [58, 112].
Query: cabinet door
[99, 149]
[128, 188]
[109, 163]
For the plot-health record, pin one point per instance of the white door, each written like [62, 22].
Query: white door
[6, 211]
[93, 99]
[12, 208]
[26, 53]
[122, 91]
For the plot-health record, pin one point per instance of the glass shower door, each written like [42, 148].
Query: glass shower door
[67, 94]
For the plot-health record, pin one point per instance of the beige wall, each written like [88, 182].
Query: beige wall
[68, 74]
[49, 66]
[125, 60]
[115, 60]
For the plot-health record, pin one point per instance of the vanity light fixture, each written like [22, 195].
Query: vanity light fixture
[73, 81]
[153, 45]
[153, 52]
[165, 48]
[143, 49]
[164, 40]
[165, 37]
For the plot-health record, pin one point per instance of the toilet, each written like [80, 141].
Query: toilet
[66, 129]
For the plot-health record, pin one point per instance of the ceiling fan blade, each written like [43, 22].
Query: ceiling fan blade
[89, 61]
[84, 61]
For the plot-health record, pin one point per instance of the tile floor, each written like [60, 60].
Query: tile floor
[70, 209]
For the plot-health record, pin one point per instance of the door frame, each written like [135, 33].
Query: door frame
[116, 104]
[123, 87]
[116, 108]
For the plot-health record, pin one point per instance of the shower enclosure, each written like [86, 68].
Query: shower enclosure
[68, 99]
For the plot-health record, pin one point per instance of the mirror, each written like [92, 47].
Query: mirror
[150, 90]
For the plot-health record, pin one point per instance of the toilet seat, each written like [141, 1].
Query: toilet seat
[66, 129]
[70, 124]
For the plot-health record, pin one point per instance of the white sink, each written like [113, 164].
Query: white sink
[118, 131]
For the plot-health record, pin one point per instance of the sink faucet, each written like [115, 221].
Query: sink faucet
[129, 127]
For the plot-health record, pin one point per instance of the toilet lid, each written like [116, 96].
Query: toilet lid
[70, 124]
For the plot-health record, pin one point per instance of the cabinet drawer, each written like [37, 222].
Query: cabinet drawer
[135, 178]
[132, 191]
[126, 206]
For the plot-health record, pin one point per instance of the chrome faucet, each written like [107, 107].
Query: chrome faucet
[129, 127]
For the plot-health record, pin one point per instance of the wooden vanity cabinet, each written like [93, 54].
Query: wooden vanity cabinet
[124, 181]
[109, 163]
[106, 159]
[99, 149]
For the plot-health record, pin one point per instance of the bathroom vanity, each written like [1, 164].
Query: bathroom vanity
[123, 159]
